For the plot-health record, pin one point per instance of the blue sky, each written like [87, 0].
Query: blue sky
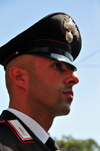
[83, 122]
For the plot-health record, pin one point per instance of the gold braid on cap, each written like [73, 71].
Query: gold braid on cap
[71, 29]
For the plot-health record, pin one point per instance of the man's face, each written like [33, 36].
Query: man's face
[50, 86]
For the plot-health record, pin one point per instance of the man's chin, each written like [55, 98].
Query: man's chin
[64, 113]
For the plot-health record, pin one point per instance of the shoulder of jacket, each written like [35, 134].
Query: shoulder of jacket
[15, 127]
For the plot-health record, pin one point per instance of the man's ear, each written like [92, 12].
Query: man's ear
[19, 76]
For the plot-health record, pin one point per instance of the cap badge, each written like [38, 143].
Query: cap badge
[71, 28]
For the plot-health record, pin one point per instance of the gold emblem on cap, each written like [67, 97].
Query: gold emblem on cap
[71, 28]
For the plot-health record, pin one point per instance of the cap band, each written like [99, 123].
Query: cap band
[49, 50]
[40, 51]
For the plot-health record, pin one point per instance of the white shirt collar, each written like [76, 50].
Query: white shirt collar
[31, 124]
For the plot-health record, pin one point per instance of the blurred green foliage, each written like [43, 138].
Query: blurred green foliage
[68, 143]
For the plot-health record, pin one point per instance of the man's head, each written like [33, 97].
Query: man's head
[40, 83]
[39, 65]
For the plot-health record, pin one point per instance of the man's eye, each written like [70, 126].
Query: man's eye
[58, 65]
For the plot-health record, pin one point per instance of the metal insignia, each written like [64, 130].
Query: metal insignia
[20, 130]
[71, 28]
[16, 52]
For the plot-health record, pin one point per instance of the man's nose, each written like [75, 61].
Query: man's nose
[72, 79]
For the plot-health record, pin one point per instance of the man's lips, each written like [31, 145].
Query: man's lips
[69, 93]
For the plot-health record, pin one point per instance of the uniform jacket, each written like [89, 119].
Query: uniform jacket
[16, 135]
